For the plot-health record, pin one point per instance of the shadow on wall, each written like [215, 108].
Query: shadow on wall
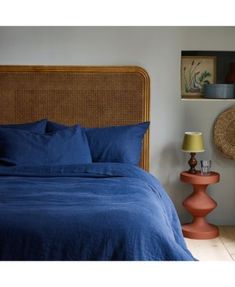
[170, 161]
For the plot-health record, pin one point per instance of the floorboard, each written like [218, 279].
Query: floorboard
[221, 248]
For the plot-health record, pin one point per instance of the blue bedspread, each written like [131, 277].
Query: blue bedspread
[99, 211]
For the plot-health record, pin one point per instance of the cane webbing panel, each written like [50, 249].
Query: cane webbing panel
[91, 96]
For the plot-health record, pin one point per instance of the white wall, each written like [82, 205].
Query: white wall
[158, 50]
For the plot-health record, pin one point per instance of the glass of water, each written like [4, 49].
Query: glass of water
[205, 167]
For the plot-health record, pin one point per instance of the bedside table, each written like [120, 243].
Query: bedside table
[199, 204]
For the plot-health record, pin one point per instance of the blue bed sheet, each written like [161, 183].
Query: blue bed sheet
[99, 211]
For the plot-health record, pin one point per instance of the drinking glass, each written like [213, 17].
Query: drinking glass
[205, 167]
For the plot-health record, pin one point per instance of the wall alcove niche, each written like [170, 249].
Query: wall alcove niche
[205, 67]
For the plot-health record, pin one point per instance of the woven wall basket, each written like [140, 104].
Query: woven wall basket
[224, 133]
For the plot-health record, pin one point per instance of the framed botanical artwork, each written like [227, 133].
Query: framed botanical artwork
[196, 71]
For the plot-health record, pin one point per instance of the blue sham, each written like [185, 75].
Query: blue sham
[67, 146]
[121, 144]
[36, 127]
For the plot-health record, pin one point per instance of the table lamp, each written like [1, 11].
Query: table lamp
[193, 143]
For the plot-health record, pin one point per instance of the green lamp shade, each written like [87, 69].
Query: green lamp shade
[193, 142]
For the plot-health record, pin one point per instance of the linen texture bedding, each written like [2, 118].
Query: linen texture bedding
[112, 144]
[36, 127]
[67, 146]
[99, 211]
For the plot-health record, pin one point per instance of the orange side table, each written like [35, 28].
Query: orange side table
[199, 204]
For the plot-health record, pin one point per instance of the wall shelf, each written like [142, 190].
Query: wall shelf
[206, 100]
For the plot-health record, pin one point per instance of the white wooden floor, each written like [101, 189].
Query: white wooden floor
[221, 248]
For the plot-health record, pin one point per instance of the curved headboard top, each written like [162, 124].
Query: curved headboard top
[94, 96]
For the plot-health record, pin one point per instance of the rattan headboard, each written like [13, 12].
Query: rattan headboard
[92, 96]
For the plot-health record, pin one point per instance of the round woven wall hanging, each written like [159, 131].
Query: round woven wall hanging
[224, 133]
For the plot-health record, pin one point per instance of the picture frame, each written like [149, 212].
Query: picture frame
[196, 71]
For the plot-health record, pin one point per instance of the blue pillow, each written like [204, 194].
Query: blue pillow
[36, 127]
[117, 144]
[68, 146]
[113, 144]
[54, 127]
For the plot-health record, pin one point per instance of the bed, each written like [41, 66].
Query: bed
[70, 207]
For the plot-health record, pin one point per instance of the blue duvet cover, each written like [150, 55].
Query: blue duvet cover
[99, 211]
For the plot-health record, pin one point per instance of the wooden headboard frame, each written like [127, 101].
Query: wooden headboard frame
[92, 96]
